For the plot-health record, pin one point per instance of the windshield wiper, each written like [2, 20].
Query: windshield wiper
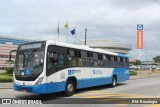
[31, 55]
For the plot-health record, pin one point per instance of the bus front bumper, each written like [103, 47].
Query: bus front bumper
[39, 89]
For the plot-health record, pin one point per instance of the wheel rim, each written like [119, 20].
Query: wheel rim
[70, 87]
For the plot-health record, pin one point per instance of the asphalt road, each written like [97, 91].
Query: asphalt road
[100, 95]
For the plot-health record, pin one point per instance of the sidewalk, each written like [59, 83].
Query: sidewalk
[145, 74]
[6, 85]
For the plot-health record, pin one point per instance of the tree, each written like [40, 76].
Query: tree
[138, 62]
[10, 61]
[157, 59]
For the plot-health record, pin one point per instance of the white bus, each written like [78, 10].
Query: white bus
[47, 66]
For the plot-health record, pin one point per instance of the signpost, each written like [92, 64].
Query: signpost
[139, 36]
[140, 44]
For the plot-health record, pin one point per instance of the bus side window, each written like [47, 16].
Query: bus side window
[50, 60]
[88, 59]
[99, 59]
[112, 62]
[95, 58]
[84, 58]
[79, 58]
[109, 60]
[60, 59]
[91, 59]
[118, 63]
[105, 59]
[55, 59]
[126, 62]
[71, 57]
[122, 63]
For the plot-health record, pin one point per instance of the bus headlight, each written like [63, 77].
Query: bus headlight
[39, 81]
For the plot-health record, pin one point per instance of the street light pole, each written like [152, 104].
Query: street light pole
[85, 36]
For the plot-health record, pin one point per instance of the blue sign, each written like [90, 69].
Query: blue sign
[97, 72]
[139, 26]
[28, 71]
[69, 72]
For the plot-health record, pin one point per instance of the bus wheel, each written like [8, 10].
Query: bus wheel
[114, 81]
[70, 88]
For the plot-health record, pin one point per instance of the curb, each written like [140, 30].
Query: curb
[6, 88]
[144, 77]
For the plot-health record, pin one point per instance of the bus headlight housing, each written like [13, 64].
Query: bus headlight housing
[39, 81]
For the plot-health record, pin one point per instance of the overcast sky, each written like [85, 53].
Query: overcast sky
[105, 19]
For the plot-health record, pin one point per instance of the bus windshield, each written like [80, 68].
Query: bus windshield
[29, 62]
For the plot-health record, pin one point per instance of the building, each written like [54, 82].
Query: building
[109, 45]
[8, 43]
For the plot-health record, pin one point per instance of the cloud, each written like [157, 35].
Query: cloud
[105, 19]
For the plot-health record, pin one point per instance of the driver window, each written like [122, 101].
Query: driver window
[55, 59]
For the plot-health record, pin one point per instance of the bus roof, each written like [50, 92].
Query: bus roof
[83, 47]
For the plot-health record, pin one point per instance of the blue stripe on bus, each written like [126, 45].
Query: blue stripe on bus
[41, 89]
[89, 82]
[122, 75]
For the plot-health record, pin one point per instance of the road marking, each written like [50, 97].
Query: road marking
[107, 99]
[101, 94]
[153, 105]
[115, 96]
[122, 104]
[106, 96]
[83, 94]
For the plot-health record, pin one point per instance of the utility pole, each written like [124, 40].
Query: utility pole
[85, 36]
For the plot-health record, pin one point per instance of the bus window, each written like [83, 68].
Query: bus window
[126, 62]
[84, 58]
[59, 59]
[105, 59]
[95, 58]
[79, 59]
[112, 62]
[115, 59]
[120, 63]
[55, 59]
[72, 60]
[121, 59]
[91, 59]
[99, 59]
[88, 59]
[109, 57]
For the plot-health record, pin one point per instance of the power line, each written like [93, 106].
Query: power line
[132, 11]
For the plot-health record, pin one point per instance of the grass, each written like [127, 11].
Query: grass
[132, 73]
[6, 77]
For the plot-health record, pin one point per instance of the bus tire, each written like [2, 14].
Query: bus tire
[114, 81]
[70, 88]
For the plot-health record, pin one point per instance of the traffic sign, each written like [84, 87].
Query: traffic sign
[139, 26]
